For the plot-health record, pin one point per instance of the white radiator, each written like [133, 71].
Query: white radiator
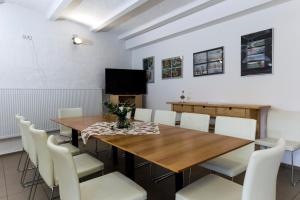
[41, 105]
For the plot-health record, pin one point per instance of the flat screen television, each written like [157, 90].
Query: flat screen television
[125, 81]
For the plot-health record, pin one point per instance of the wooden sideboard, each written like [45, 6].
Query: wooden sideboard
[257, 112]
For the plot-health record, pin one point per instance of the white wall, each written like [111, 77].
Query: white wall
[279, 89]
[50, 60]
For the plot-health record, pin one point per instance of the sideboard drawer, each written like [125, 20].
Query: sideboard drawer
[205, 110]
[182, 108]
[232, 112]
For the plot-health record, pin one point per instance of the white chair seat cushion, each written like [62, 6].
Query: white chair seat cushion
[74, 150]
[87, 165]
[61, 139]
[211, 187]
[271, 142]
[111, 187]
[66, 133]
[226, 166]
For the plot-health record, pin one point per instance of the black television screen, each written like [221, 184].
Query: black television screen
[125, 81]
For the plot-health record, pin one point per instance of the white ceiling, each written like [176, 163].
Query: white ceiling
[37, 5]
[127, 18]
[108, 14]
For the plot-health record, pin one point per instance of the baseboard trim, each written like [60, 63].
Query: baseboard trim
[10, 145]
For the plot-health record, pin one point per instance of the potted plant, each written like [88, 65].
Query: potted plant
[120, 110]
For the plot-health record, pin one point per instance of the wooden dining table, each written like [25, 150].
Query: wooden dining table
[175, 149]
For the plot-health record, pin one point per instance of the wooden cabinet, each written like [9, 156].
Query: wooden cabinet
[229, 111]
[130, 99]
[205, 110]
[182, 108]
[257, 112]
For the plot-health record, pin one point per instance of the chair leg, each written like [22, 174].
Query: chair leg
[24, 172]
[190, 174]
[33, 184]
[51, 194]
[293, 182]
[20, 159]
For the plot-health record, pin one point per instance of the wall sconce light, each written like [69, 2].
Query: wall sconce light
[76, 40]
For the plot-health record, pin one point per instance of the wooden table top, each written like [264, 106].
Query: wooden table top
[175, 149]
[224, 105]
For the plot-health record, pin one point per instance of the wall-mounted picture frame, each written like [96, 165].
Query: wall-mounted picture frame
[257, 53]
[172, 67]
[208, 62]
[148, 65]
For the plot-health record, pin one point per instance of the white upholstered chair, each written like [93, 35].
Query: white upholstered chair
[23, 140]
[143, 114]
[65, 113]
[283, 124]
[110, 186]
[234, 162]
[165, 117]
[84, 164]
[259, 183]
[32, 157]
[195, 121]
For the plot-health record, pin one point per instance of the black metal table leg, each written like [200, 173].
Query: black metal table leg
[75, 137]
[178, 181]
[129, 165]
[114, 155]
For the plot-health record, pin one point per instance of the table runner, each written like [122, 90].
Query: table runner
[109, 128]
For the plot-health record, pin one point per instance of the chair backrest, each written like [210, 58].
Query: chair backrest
[240, 128]
[23, 138]
[261, 175]
[165, 117]
[283, 124]
[31, 147]
[142, 114]
[68, 112]
[45, 163]
[66, 172]
[195, 121]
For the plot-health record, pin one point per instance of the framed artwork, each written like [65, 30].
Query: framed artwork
[172, 67]
[209, 62]
[257, 53]
[148, 65]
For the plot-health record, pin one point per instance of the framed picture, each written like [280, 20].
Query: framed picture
[172, 67]
[209, 62]
[257, 53]
[148, 65]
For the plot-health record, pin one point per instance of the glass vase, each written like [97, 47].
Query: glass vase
[123, 122]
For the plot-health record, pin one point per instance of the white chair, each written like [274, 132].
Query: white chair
[165, 117]
[23, 140]
[234, 162]
[143, 114]
[110, 186]
[195, 121]
[84, 164]
[283, 124]
[32, 153]
[259, 183]
[31, 150]
[65, 113]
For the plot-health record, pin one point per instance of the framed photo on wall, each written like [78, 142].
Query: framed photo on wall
[172, 67]
[148, 65]
[257, 53]
[209, 62]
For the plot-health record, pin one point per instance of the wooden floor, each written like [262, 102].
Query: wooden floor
[10, 188]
